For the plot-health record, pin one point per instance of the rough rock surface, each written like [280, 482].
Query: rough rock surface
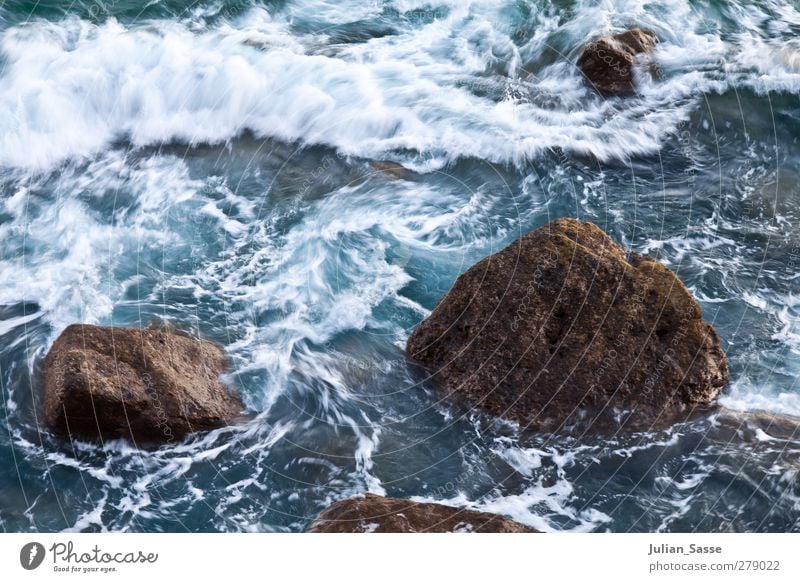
[607, 62]
[148, 384]
[370, 513]
[563, 328]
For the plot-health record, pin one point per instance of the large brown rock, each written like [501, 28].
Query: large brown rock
[608, 62]
[146, 384]
[563, 328]
[370, 513]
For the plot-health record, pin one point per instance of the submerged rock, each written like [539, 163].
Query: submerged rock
[145, 384]
[565, 328]
[608, 62]
[370, 513]
[735, 425]
[391, 169]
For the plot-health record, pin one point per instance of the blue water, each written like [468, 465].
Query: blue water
[209, 165]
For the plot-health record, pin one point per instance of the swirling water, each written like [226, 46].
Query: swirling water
[208, 164]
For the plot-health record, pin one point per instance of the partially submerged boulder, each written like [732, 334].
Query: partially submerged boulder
[368, 513]
[608, 62]
[145, 384]
[564, 328]
[735, 425]
[391, 170]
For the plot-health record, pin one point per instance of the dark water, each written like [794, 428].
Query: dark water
[208, 164]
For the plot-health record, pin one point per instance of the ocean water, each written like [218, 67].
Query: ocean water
[208, 164]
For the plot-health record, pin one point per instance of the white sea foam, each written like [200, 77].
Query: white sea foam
[744, 395]
[69, 89]
[65, 262]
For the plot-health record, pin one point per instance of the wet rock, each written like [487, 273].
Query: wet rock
[145, 384]
[391, 169]
[565, 329]
[370, 513]
[608, 62]
[755, 426]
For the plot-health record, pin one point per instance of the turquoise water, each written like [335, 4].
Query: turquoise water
[208, 164]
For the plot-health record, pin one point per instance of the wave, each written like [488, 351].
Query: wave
[72, 88]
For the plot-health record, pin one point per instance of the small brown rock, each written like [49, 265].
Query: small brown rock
[608, 62]
[145, 384]
[391, 169]
[370, 513]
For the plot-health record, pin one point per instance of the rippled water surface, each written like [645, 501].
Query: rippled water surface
[208, 164]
